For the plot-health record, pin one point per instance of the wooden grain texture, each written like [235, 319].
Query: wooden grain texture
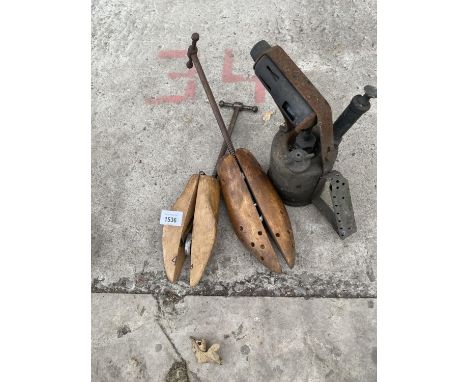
[271, 206]
[243, 214]
[204, 230]
[173, 249]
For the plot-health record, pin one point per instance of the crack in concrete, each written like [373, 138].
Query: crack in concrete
[163, 329]
[258, 285]
[179, 369]
[195, 377]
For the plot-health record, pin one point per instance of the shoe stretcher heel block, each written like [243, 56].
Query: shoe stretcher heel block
[172, 238]
[275, 215]
[205, 223]
[245, 217]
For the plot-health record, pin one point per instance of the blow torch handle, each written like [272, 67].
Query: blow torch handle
[356, 108]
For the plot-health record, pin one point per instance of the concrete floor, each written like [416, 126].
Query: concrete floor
[136, 337]
[152, 128]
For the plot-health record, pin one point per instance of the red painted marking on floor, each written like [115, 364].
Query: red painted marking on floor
[187, 74]
[172, 54]
[229, 77]
[189, 87]
[175, 99]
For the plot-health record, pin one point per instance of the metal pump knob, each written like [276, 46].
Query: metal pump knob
[370, 91]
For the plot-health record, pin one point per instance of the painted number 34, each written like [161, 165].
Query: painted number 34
[190, 84]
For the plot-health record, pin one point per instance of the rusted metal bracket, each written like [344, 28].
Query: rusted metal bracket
[319, 112]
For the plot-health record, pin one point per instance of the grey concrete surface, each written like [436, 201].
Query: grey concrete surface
[275, 339]
[143, 154]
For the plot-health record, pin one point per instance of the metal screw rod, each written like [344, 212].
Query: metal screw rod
[214, 106]
[232, 123]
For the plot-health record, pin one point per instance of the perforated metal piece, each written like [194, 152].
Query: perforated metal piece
[337, 206]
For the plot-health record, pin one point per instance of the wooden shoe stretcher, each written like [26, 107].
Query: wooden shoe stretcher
[199, 204]
[257, 213]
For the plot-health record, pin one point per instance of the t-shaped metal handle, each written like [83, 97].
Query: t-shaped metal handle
[238, 105]
[192, 49]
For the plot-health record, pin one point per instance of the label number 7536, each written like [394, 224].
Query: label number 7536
[171, 218]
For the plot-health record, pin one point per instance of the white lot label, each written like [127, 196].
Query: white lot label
[171, 218]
